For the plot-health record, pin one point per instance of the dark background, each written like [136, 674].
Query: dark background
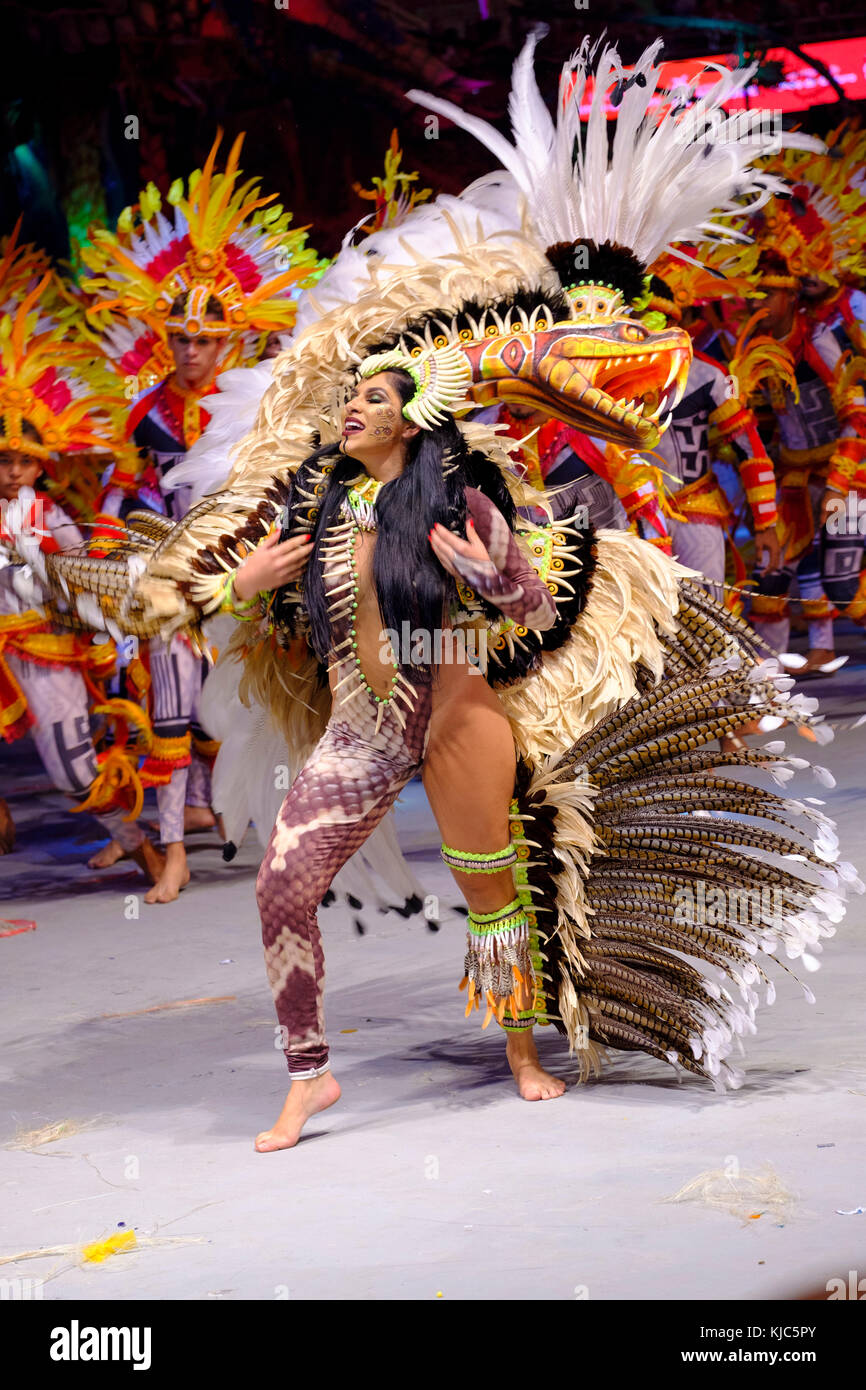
[316, 84]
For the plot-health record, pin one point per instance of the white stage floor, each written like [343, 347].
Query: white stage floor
[431, 1176]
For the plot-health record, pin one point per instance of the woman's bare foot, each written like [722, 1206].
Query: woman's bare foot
[147, 857]
[108, 855]
[174, 876]
[733, 743]
[533, 1082]
[150, 861]
[305, 1099]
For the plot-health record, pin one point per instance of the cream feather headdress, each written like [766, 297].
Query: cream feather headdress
[441, 377]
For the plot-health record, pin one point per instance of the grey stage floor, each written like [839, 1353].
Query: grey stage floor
[431, 1178]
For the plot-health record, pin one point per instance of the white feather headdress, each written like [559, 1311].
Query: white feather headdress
[676, 159]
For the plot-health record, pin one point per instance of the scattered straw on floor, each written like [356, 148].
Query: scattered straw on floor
[177, 1004]
[749, 1196]
[95, 1252]
[32, 1139]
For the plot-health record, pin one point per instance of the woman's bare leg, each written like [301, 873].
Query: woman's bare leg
[468, 775]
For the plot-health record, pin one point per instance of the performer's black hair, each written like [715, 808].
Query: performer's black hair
[212, 310]
[411, 585]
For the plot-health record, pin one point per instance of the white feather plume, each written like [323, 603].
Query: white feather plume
[677, 162]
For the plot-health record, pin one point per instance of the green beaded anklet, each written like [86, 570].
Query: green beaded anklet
[509, 918]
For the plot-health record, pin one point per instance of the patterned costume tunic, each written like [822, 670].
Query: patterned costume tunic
[43, 692]
[165, 423]
[825, 560]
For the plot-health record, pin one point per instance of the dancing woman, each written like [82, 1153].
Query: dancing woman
[386, 556]
[585, 808]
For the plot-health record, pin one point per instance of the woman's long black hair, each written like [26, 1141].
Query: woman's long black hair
[411, 585]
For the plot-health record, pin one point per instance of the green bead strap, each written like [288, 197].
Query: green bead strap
[521, 1024]
[239, 608]
[476, 862]
[483, 917]
[509, 918]
[521, 879]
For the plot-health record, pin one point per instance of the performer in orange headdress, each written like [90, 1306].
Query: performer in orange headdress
[811, 247]
[60, 409]
[179, 300]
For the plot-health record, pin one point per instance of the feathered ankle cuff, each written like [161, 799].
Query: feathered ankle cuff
[498, 964]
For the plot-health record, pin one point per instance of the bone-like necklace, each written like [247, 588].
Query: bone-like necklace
[338, 551]
[360, 501]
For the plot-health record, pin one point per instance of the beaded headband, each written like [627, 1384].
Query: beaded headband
[14, 440]
[779, 282]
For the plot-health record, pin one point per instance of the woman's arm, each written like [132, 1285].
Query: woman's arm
[271, 564]
[491, 562]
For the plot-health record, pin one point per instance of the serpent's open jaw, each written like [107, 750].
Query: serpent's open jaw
[631, 399]
[619, 381]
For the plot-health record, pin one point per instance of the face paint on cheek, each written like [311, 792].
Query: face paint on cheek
[386, 414]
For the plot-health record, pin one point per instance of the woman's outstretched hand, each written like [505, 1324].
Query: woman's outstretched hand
[456, 555]
[271, 565]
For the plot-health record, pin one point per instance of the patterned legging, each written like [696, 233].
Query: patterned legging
[351, 780]
[176, 676]
[828, 569]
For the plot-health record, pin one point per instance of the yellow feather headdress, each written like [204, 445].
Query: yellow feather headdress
[820, 230]
[59, 402]
[223, 242]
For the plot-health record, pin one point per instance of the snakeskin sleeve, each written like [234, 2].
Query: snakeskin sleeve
[509, 581]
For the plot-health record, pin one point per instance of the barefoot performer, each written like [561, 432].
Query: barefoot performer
[389, 549]
[195, 296]
[573, 779]
[61, 421]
